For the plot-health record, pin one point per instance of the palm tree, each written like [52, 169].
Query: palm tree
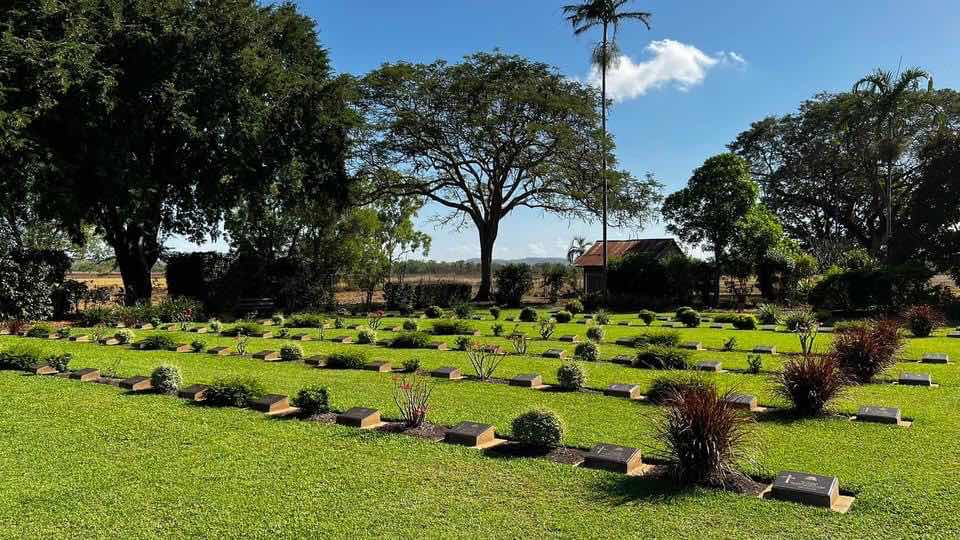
[890, 95]
[578, 246]
[604, 14]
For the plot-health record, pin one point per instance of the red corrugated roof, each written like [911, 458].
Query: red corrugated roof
[619, 248]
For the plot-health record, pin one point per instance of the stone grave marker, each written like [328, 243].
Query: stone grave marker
[625, 341]
[264, 335]
[936, 358]
[267, 355]
[610, 457]
[397, 328]
[710, 365]
[554, 353]
[4, 331]
[629, 391]
[194, 392]
[807, 488]
[718, 325]
[88, 374]
[569, 339]
[880, 415]
[301, 337]
[623, 323]
[742, 401]
[915, 379]
[471, 434]
[826, 329]
[83, 338]
[765, 349]
[200, 330]
[265, 322]
[110, 341]
[379, 367]
[318, 360]
[360, 417]
[145, 326]
[182, 347]
[43, 369]
[219, 351]
[272, 404]
[663, 318]
[622, 360]
[954, 334]
[768, 327]
[692, 345]
[450, 373]
[344, 339]
[527, 380]
[439, 345]
[137, 384]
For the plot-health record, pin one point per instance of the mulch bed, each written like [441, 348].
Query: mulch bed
[512, 449]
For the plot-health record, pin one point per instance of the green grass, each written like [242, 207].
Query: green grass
[94, 461]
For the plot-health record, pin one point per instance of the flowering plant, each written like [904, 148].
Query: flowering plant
[412, 395]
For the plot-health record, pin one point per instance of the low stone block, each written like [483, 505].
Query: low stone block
[265, 322]
[765, 349]
[268, 355]
[272, 403]
[80, 339]
[88, 374]
[622, 360]
[194, 392]
[470, 434]
[301, 337]
[610, 457]
[145, 326]
[219, 351]
[915, 379]
[43, 369]
[570, 339]
[379, 367]
[554, 353]
[953, 335]
[110, 341]
[768, 327]
[344, 339]
[527, 380]
[880, 415]
[709, 365]
[742, 401]
[53, 336]
[806, 488]
[182, 347]
[319, 360]
[264, 335]
[718, 325]
[826, 329]
[692, 345]
[4, 331]
[359, 417]
[663, 318]
[439, 346]
[935, 358]
[628, 391]
[625, 342]
[200, 330]
[623, 323]
[395, 329]
[137, 384]
[450, 373]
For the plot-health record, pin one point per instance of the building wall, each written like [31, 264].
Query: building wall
[592, 279]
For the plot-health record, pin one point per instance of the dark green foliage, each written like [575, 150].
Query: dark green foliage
[306, 320]
[452, 328]
[495, 312]
[411, 340]
[539, 428]
[199, 275]
[745, 322]
[588, 351]
[662, 338]
[198, 345]
[243, 329]
[571, 376]
[463, 310]
[40, 331]
[291, 353]
[433, 312]
[421, 295]
[592, 302]
[98, 316]
[158, 342]
[754, 363]
[497, 329]
[234, 392]
[658, 357]
[574, 306]
[602, 317]
[464, 343]
[529, 314]
[563, 316]
[347, 360]
[889, 288]
[513, 281]
[647, 316]
[166, 379]
[689, 318]
[59, 362]
[312, 400]
[366, 336]
[663, 389]
[595, 334]
[20, 357]
[411, 365]
[410, 325]
[28, 280]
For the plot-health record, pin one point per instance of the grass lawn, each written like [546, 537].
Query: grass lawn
[92, 460]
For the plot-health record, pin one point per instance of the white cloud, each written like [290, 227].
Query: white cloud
[671, 62]
[536, 249]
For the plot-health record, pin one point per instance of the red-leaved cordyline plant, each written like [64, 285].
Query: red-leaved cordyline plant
[866, 350]
[922, 320]
[704, 434]
[811, 382]
[412, 396]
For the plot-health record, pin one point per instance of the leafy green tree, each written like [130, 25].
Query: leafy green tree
[707, 210]
[608, 16]
[157, 115]
[488, 136]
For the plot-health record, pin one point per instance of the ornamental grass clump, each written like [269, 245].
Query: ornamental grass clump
[412, 393]
[539, 428]
[704, 435]
[366, 336]
[866, 350]
[166, 379]
[922, 320]
[810, 383]
[520, 341]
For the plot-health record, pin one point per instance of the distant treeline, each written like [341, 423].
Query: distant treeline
[458, 268]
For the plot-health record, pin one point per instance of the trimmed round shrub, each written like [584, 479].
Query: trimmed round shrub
[662, 338]
[595, 334]
[689, 318]
[291, 353]
[411, 365]
[866, 350]
[411, 340]
[166, 379]
[571, 376]
[681, 309]
[657, 357]
[410, 325]
[647, 317]
[665, 389]
[158, 342]
[810, 383]
[528, 314]
[198, 345]
[495, 312]
[347, 360]
[433, 312]
[745, 322]
[366, 336]
[463, 310]
[574, 306]
[277, 319]
[922, 320]
[59, 362]
[539, 428]
[563, 316]
[40, 331]
[312, 400]
[588, 351]
[452, 328]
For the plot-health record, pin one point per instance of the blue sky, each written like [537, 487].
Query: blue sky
[704, 72]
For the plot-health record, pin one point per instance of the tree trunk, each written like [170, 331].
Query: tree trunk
[603, 160]
[488, 235]
[137, 250]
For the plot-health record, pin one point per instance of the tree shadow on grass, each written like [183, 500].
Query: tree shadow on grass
[654, 487]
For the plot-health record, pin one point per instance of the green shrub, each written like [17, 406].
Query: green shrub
[754, 363]
[64, 332]
[547, 328]
[497, 329]
[366, 336]
[158, 342]
[243, 329]
[20, 356]
[664, 389]
[99, 316]
[347, 360]
[602, 317]
[234, 391]
[277, 320]
[411, 340]
[689, 318]
[657, 357]
[166, 379]
[662, 338]
[730, 344]
[539, 428]
[595, 334]
[495, 312]
[513, 281]
[574, 306]
[312, 400]
[592, 302]
[571, 376]
[681, 309]
[291, 353]
[433, 312]
[306, 320]
[797, 320]
[452, 328]
[563, 316]
[464, 343]
[769, 313]
[647, 317]
[411, 365]
[463, 310]
[215, 326]
[40, 331]
[745, 322]
[529, 314]
[59, 362]
[588, 351]
[410, 325]
[198, 345]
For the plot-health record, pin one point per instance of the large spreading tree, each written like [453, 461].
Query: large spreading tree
[492, 134]
[157, 115]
